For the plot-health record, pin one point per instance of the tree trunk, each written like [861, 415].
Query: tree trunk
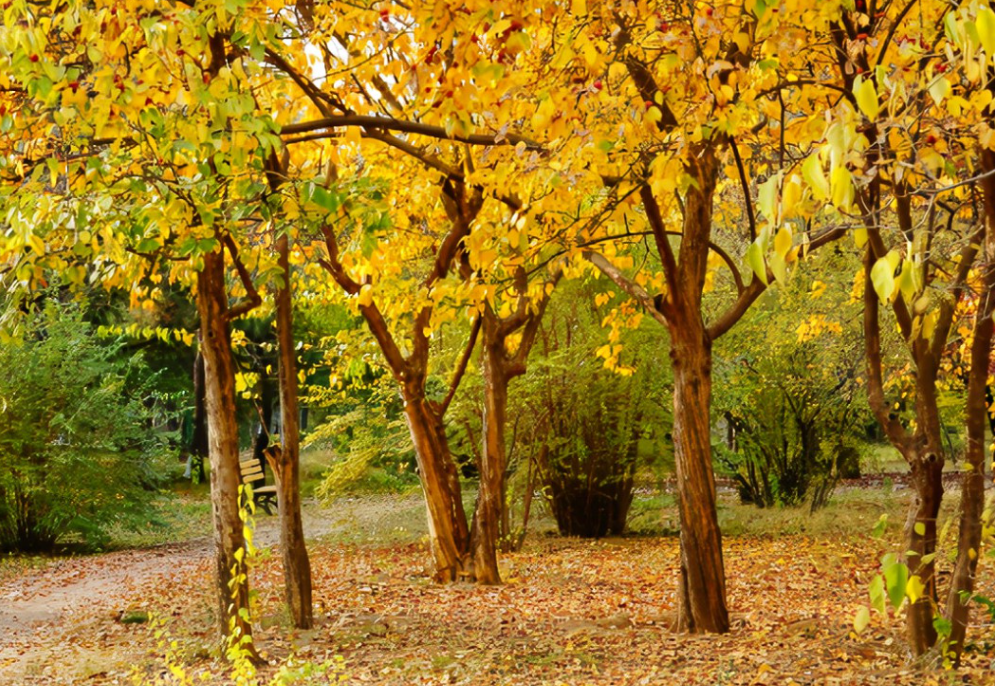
[286, 462]
[266, 399]
[219, 384]
[199, 447]
[927, 469]
[448, 532]
[978, 403]
[702, 593]
[487, 520]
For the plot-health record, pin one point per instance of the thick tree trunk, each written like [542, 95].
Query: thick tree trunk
[487, 520]
[219, 383]
[286, 462]
[702, 593]
[448, 532]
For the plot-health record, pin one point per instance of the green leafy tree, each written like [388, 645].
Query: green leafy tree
[78, 453]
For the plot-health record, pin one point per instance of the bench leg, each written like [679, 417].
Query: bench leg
[265, 502]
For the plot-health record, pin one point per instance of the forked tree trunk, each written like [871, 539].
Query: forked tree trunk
[231, 578]
[286, 461]
[449, 535]
[973, 485]
[702, 593]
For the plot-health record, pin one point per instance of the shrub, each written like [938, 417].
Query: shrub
[77, 449]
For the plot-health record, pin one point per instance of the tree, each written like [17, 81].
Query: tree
[902, 153]
[788, 388]
[667, 133]
[77, 448]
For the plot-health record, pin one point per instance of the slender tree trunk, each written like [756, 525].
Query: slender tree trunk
[286, 462]
[702, 593]
[487, 521]
[199, 447]
[266, 398]
[219, 383]
[978, 402]
[448, 532]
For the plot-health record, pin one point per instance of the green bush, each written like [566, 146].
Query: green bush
[78, 450]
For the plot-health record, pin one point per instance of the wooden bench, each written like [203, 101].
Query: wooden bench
[264, 496]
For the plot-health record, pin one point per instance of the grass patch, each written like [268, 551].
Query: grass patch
[181, 515]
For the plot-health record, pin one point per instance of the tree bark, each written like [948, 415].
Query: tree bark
[286, 461]
[231, 574]
[702, 592]
[487, 520]
[449, 534]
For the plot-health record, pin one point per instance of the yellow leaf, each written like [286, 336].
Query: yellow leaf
[867, 97]
[365, 298]
[986, 29]
[939, 90]
[861, 620]
[914, 588]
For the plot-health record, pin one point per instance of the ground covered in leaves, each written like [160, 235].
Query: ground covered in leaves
[571, 612]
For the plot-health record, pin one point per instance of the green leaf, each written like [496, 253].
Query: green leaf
[782, 241]
[755, 259]
[867, 97]
[920, 528]
[876, 592]
[779, 268]
[896, 578]
[882, 276]
[880, 526]
[861, 620]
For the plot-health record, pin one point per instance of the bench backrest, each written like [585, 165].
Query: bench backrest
[251, 471]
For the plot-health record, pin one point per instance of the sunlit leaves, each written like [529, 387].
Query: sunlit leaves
[866, 96]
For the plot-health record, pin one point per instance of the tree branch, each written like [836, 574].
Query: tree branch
[631, 287]
[404, 126]
[460, 368]
[253, 300]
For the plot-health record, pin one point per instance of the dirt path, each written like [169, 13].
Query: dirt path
[59, 613]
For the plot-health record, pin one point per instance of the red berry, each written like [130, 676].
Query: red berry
[74, 85]
[597, 84]
[33, 58]
[709, 11]
[181, 52]
[648, 104]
